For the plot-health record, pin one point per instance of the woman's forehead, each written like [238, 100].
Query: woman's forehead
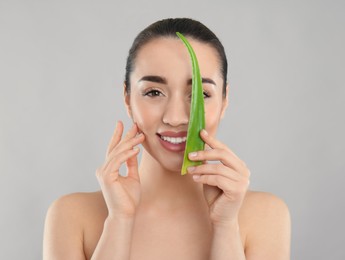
[169, 55]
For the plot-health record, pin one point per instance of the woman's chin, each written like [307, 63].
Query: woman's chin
[174, 168]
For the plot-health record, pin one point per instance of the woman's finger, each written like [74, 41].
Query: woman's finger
[115, 163]
[123, 147]
[131, 133]
[126, 144]
[230, 188]
[229, 158]
[116, 138]
[215, 169]
[214, 143]
[132, 168]
[218, 154]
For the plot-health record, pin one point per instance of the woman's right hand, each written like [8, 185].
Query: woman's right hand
[121, 194]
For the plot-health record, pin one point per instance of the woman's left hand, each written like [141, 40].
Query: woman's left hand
[225, 183]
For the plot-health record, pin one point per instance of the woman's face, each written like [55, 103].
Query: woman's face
[160, 96]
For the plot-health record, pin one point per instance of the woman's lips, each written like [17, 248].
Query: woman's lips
[173, 141]
[173, 134]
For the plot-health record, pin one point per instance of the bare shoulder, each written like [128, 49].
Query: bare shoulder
[266, 219]
[264, 202]
[76, 209]
[65, 222]
[77, 203]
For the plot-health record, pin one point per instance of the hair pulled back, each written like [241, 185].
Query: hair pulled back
[168, 28]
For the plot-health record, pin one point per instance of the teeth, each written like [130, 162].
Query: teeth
[174, 140]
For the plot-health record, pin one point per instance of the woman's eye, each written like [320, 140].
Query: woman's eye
[153, 93]
[206, 94]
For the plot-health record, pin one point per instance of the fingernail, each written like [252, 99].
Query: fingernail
[196, 177]
[136, 149]
[191, 169]
[139, 135]
[193, 154]
[204, 132]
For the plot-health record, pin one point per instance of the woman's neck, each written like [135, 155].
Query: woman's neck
[166, 190]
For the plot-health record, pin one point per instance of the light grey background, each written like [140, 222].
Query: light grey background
[62, 67]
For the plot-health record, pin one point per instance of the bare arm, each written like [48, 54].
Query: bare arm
[268, 237]
[121, 194]
[225, 188]
[63, 234]
[115, 240]
[270, 229]
[226, 243]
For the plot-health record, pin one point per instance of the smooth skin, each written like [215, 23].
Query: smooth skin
[154, 212]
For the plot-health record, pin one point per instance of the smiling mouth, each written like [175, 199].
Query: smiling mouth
[173, 140]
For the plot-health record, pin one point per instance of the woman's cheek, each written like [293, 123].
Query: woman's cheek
[212, 118]
[146, 116]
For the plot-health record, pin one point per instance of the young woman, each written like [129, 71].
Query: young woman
[154, 212]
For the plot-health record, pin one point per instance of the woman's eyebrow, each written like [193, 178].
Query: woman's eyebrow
[204, 80]
[152, 78]
[162, 80]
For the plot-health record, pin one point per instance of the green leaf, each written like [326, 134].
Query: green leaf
[197, 112]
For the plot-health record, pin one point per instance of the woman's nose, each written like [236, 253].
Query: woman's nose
[176, 112]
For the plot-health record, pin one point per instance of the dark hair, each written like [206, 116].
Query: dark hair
[168, 28]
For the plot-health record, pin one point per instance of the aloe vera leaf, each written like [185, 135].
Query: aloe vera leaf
[197, 112]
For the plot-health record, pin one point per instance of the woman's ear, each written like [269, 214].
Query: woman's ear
[225, 101]
[127, 98]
